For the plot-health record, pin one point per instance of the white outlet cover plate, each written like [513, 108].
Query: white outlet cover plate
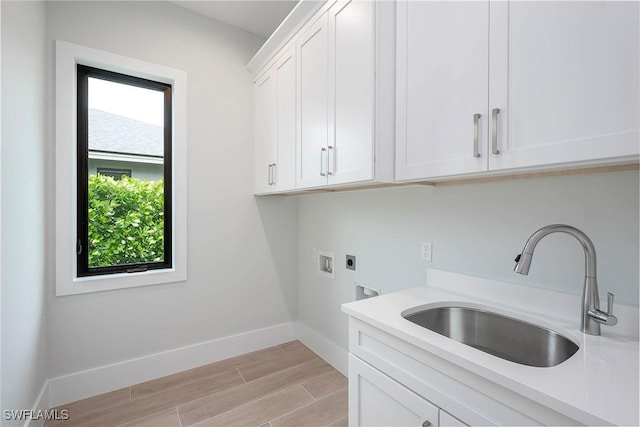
[425, 251]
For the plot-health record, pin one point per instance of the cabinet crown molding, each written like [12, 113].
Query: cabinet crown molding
[297, 18]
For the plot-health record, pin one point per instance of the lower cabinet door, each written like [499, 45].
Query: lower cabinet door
[448, 420]
[377, 400]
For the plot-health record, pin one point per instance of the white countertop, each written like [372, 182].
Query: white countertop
[597, 385]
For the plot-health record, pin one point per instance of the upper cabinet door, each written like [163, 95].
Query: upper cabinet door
[312, 93]
[442, 79]
[265, 133]
[285, 76]
[351, 91]
[564, 76]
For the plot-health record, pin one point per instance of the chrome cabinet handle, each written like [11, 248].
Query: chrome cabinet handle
[331, 165]
[494, 131]
[427, 423]
[269, 174]
[272, 174]
[322, 151]
[476, 119]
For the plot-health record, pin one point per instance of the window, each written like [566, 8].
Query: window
[120, 171]
[123, 225]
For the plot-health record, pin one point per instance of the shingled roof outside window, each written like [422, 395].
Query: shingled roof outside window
[111, 133]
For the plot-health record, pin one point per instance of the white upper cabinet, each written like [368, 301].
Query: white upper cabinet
[265, 132]
[360, 92]
[274, 126]
[285, 168]
[530, 84]
[565, 78]
[312, 105]
[344, 120]
[442, 78]
[351, 91]
[336, 96]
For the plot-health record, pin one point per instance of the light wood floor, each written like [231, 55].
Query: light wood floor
[285, 385]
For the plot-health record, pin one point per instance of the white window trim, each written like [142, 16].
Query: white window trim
[67, 282]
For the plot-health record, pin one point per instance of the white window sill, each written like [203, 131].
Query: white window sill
[109, 282]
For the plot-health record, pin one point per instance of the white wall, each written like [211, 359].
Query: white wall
[249, 265]
[475, 229]
[25, 278]
[241, 273]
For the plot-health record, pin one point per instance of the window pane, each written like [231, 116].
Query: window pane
[126, 210]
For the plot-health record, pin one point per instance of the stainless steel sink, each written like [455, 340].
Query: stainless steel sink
[501, 336]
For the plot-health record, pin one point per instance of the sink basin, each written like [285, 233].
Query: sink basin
[501, 336]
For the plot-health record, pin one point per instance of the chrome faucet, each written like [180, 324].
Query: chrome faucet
[592, 317]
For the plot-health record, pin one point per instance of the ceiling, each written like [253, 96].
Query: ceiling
[260, 17]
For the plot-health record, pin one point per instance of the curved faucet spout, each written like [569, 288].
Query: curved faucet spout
[524, 261]
[592, 317]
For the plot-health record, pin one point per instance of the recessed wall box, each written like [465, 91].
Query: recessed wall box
[325, 264]
[363, 292]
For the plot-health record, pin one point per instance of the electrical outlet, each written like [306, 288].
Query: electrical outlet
[425, 251]
[351, 262]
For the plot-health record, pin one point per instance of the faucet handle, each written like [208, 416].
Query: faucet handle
[605, 318]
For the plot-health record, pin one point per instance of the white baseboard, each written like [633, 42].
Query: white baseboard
[42, 404]
[80, 385]
[332, 353]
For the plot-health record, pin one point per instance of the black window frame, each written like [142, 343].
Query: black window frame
[83, 72]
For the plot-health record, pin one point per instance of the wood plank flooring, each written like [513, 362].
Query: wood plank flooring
[285, 385]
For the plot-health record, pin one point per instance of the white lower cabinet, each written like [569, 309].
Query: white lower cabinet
[395, 383]
[447, 420]
[377, 400]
